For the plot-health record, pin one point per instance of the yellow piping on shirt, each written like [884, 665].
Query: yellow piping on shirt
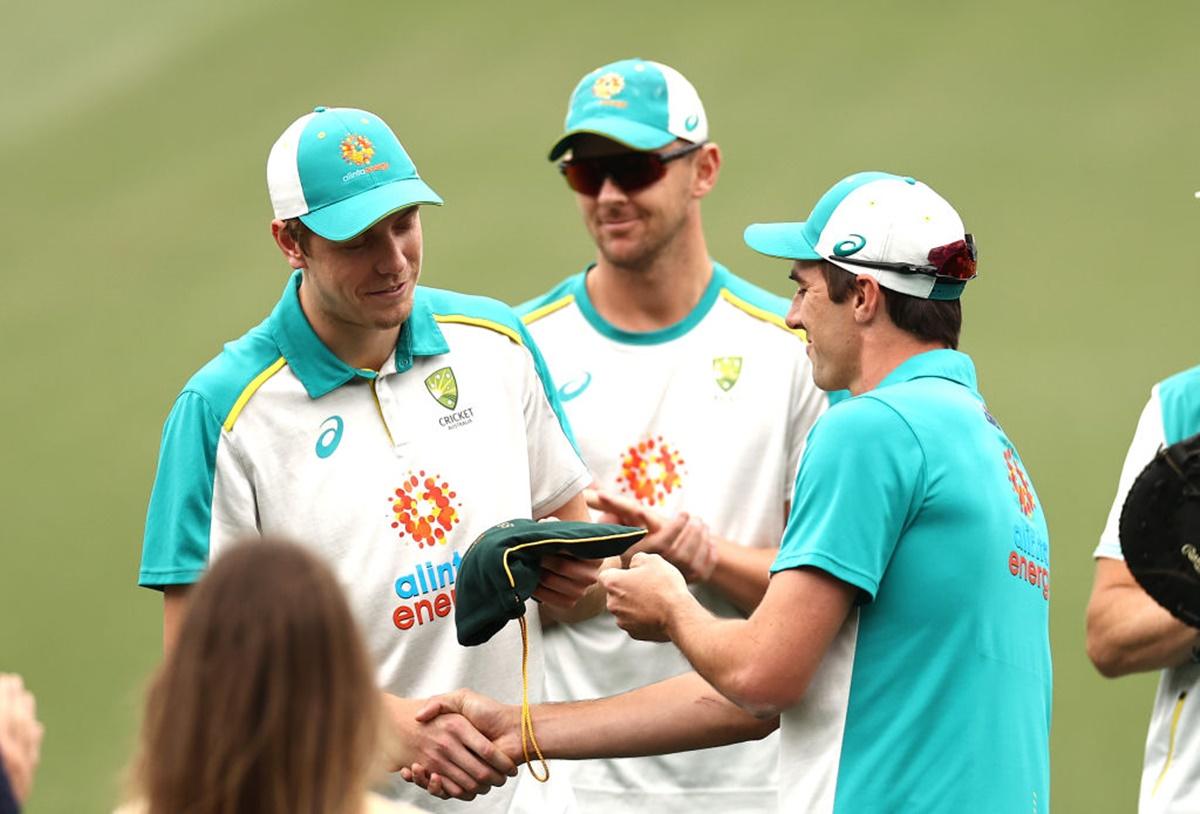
[382, 417]
[759, 313]
[481, 323]
[547, 309]
[1171, 743]
[250, 390]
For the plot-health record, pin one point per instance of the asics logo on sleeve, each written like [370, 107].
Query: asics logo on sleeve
[575, 387]
[330, 437]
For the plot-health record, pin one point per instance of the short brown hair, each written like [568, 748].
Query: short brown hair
[299, 232]
[266, 704]
[931, 320]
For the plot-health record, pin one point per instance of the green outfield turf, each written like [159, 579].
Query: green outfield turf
[133, 139]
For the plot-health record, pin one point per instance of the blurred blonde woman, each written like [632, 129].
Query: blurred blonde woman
[266, 704]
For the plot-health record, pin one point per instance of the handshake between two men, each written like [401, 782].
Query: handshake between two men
[469, 743]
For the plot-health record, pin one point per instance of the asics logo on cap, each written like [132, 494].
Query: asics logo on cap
[850, 246]
[357, 150]
[691, 122]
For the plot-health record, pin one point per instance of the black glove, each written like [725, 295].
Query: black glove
[1160, 529]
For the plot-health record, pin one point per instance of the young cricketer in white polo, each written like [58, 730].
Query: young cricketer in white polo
[381, 423]
[690, 398]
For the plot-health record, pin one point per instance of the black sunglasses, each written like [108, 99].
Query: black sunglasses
[630, 171]
[954, 261]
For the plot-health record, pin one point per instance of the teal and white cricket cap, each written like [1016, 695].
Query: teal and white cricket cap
[874, 219]
[342, 170]
[641, 104]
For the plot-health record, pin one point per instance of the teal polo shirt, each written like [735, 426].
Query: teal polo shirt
[936, 696]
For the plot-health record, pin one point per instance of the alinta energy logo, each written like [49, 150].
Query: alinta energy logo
[1019, 482]
[358, 151]
[425, 509]
[651, 470]
[607, 86]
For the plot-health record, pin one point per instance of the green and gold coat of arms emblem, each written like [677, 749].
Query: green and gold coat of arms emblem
[442, 385]
[726, 370]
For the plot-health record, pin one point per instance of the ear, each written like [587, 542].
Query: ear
[290, 248]
[708, 167]
[868, 299]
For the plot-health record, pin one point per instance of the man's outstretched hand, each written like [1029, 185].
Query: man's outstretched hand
[465, 759]
[496, 722]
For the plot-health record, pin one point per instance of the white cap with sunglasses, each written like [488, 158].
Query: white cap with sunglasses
[889, 227]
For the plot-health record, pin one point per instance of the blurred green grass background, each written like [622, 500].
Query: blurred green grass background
[133, 140]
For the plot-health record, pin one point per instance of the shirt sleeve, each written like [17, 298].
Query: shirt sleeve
[557, 471]
[1147, 439]
[861, 480]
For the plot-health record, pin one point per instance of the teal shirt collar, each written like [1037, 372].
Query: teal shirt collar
[719, 278]
[941, 364]
[316, 366]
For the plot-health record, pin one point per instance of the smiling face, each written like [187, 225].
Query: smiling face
[357, 293]
[631, 229]
[834, 337]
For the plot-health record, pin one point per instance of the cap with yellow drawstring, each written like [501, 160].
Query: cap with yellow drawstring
[501, 570]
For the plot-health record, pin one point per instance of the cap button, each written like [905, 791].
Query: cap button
[319, 109]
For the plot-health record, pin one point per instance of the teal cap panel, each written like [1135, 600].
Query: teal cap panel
[610, 99]
[345, 153]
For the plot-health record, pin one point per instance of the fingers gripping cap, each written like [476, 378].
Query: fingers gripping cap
[641, 104]
[341, 170]
[874, 217]
[501, 570]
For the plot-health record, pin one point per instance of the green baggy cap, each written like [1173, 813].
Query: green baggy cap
[501, 569]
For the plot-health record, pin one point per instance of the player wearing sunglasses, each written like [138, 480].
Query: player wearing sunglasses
[690, 399]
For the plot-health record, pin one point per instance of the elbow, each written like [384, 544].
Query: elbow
[1106, 657]
[763, 696]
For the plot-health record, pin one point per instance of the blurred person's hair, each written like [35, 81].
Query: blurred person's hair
[266, 704]
[930, 320]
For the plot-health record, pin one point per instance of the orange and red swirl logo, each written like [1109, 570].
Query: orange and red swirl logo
[651, 470]
[1020, 483]
[357, 150]
[423, 509]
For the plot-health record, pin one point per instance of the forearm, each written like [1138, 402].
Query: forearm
[719, 650]
[1130, 633]
[676, 715]
[742, 574]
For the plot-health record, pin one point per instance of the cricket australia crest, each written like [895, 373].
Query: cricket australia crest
[442, 385]
[726, 370]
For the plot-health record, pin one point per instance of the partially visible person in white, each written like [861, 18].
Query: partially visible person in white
[1128, 632]
[20, 743]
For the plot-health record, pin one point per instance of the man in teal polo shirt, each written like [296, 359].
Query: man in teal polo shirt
[902, 641]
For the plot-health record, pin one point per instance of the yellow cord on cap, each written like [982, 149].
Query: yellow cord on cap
[527, 737]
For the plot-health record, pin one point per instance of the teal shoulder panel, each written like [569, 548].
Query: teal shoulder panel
[179, 518]
[564, 289]
[178, 521]
[1180, 399]
[470, 307]
[749, 292]
[223, 380]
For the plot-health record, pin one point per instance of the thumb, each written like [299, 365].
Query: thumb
[439, 705]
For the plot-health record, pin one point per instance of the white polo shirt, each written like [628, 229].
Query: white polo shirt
[707, 416]
[388, 475]
[1171, 766]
